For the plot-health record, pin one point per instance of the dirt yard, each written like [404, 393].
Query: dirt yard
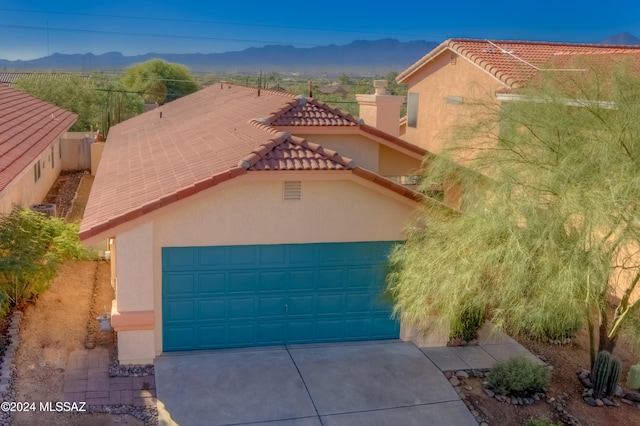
[53, 327]
[57, 323]
[565, 388]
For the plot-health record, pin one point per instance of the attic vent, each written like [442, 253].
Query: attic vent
[455, 100]
[453, 59]
[291, 190]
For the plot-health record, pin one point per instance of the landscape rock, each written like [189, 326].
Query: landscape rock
[489, 392]
[589, 400]
[454, 381]
[599, 402]
[632, 396]
[462, 374]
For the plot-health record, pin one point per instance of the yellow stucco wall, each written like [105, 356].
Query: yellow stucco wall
[394, 163]
[247, 210]
[24, 190]
[446, 76]
[356, 147]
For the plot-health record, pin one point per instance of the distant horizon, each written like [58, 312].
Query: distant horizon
[136, 28]
[286, 45]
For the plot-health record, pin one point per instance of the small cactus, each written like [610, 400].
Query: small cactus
[615, 368]
[600, 373]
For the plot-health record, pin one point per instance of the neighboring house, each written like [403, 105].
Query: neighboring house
[332, 89]
[464, 71]
[30, 154]
[245, 217]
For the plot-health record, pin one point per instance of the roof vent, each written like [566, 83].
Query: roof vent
[302, 99]
[291, 190]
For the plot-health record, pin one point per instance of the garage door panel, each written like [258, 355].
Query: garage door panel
[212, 336]
[242, 282]
[242, 308]
[300, 305]
[332, 304]
[212, 309]
[331, 279]
[358, 303]
[270, 307]
[359, 278]
[271, 333]
[273, 255]
[243, 256]
[241, 334]
[211, 284]
[304, 280]
[209, 257]
[329, 329]
[383, 327]
[301, 255]
[238, 296]
[179, 285]
[180, 338]
[300, 331]
[273, 281]
[178, 259]
[180, 311]
[357, 327]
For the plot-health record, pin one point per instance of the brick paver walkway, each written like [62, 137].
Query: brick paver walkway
[86, 379]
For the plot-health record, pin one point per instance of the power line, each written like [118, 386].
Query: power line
[197, 21]
[76, 30]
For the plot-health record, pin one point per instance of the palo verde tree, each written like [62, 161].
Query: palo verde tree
[32, 247]
[548, 235]
[159, 81]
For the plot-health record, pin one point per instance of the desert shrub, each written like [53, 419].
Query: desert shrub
[32, 246]
[541, 421]
[518, 376]
[467, 323]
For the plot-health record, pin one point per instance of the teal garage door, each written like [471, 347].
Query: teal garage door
[238, 296]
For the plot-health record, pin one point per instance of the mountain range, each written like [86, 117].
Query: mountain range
[374, 57]
[359, 57]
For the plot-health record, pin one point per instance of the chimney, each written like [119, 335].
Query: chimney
[381, 110]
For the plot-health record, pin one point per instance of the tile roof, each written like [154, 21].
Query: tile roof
[288, 152]
[11, 78]
[27, 127]
[201, 140]
[514, 63]
[311, 112]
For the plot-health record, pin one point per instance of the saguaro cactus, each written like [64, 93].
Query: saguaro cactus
[600, 373]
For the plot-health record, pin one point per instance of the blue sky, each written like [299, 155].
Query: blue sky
[35, 28]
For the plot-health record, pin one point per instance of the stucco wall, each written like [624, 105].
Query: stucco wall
[446, 76]
[394, 163]
[355, 147]
[247, 211]
[24, 190]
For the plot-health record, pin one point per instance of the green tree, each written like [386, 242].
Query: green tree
[75, 94]
[549, 233]
[32, 247]
[159, 81]
[100, 101]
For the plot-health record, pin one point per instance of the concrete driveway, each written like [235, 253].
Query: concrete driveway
[369, 383]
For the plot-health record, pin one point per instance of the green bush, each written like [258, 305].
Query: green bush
[32, 246]
[518, 376]
[467, 324]
[541, 421]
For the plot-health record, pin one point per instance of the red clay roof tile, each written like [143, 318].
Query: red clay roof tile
[27, 126]
[201, 140]
[514, 62]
